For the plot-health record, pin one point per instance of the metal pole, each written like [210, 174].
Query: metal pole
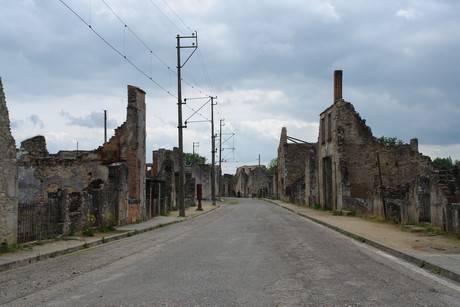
[181, 199]
[181, 196]
[382, 195]
[220, 159]
[213, 152]
[105, 126]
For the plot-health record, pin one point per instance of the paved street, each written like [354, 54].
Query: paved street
[249, 254]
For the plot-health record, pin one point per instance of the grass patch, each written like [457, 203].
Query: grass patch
[133, 233]
[424, 228]
[234, 202]
[8, 248]
[359, 238]
[436, 271]
[318, 207]
[377, 218]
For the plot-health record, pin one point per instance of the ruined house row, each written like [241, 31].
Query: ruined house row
[43, 193]
[107, 183]
[349, 170]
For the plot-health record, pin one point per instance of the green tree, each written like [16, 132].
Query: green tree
[192, 158]
[273, 166]
[443, 163]
[385, 140]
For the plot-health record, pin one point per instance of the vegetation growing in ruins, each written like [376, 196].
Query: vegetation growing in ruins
[272, 166]
[443, 163]
[8, 248]
[192, 158]
[88, 227]
[108, 222]
[385, 140]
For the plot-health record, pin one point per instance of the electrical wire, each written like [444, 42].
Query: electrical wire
[148, 47]
[167, 18]
[177, 16]
[118, 51]
[135, 35]
[123, 54]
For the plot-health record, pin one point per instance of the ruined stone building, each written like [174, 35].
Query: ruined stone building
[253, 181]
[164, 180]
[161, 182]
[8, 177]
[227, 185]
[358, 173]
[107, 183]
[293, 157]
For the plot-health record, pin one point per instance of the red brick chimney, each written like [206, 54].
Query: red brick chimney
[337, 85]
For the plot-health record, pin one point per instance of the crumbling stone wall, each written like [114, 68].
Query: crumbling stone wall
[260, 182]
[252, 181]
[292, 164]
[356, 172]
[311, 175]
[128, 145]
[202, 175]
[163, 168]
[108, 183]
[8, 177]
[241, 181]
[227, 186]
[360, 165]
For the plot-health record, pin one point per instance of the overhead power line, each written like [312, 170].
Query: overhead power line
[136, 36]
[122, 53]
[182, 21]
[118, 51]
[165, 16]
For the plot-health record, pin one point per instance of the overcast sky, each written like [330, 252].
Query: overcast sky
[270, 64]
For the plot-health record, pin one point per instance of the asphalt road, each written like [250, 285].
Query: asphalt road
[251, 254]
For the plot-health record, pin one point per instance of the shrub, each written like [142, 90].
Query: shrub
[108, 222]
[389, 140]
[88, 227]
[443, 163]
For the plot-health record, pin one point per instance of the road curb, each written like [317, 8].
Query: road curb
[421, 263]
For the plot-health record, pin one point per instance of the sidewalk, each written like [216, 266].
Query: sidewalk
[435, 253]
[35, 252]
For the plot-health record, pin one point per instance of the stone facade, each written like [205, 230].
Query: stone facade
[358, 173]
[108, 181]
[165, 167]
[293, 159]
[163, 170]
[311, 175]
[227, 185]
[253, 181]
[8, 177]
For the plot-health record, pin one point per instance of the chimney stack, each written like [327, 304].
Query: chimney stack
[337, 85]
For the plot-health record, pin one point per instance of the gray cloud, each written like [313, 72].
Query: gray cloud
[268, 62]
[92, 120]
[32, 119]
